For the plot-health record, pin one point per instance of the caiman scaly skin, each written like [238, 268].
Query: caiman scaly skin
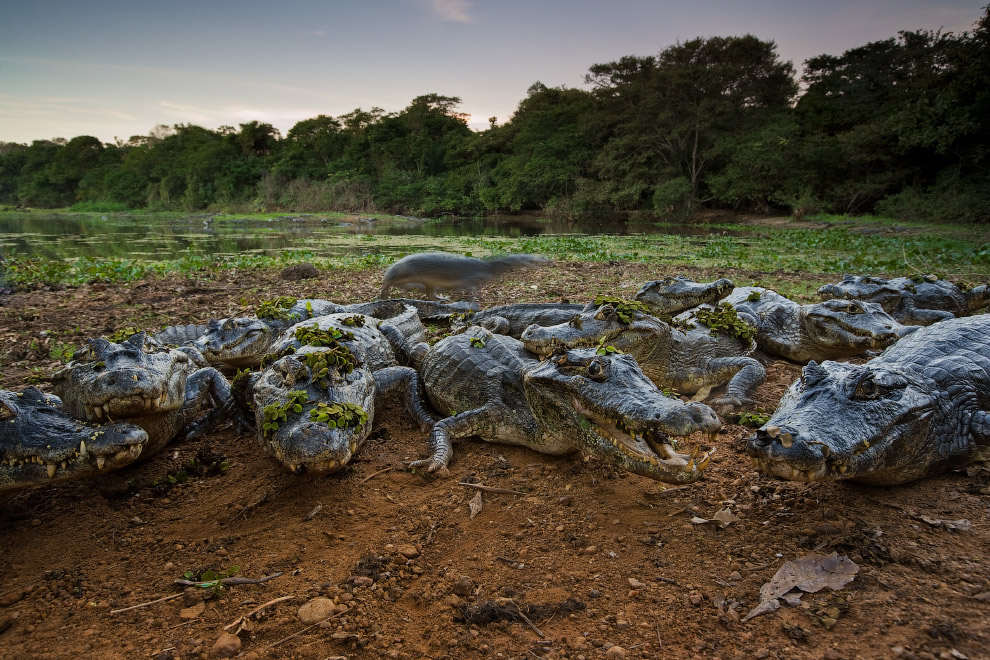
[911, 300]
[369, 345]
[40, 444]
[142, 382]
[302, 443]
[920, 408]
[440, 271]
[689, 362]
[828, 330]
[241, 342]
[577, 401]
[512, 319]
[672, 295]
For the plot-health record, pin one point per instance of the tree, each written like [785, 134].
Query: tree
[666, 115]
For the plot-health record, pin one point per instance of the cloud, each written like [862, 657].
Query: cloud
[450, 10]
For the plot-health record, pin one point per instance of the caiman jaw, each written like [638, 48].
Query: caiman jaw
[650, 450]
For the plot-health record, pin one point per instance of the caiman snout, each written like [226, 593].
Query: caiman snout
[690, 418]
[124, 381]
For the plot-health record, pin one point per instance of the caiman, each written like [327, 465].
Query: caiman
[144, 383]
[488, 385]
[920, 408]
[689, 361]
[821, 331]
[669, 296]
[315, 404]
[916, 300]
[41, 444]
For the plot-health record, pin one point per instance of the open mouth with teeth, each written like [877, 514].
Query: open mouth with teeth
[127, 406]
[643, 449]
[106, 449]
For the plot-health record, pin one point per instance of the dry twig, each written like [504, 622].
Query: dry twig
[375, 474]
[150, 602]
[491, 489]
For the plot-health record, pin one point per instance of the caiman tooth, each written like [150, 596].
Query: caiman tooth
[703, 463]
[100, 462]
[690, 466]
[332, 465]
[135, 450]
[64, 465]
[773, 431]
[843, 468]
[294, 467]
[786, 440]
[134, 377]
[97, 412]
[83, 453]
[654, 461]
[51, 470]
[695, 452]
[106, 408]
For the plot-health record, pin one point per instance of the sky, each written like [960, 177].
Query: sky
[113, 69]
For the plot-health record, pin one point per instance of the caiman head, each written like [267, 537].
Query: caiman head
[40, 444]
[850, 327]
[673, 295]
[873, 424]
[862, 287]
[628, 331]
[311, 415]
[604, 405]
[236, 342]
[136, 378]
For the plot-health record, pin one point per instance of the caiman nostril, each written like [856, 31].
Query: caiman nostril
[761, 439]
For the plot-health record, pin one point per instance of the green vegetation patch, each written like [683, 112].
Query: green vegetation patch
[338, 358]
[313, 335]
[277, 309]
[123, 334]
[339, 415]
[276, 412]
[724, 319]
[356, 321]
[625, 309]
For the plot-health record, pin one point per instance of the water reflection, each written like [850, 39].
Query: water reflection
[157, 238]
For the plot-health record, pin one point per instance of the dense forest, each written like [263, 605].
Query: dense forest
[899, 127]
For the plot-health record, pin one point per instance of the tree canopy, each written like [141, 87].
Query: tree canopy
[899, 126]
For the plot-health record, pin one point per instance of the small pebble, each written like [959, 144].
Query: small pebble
[227, 646]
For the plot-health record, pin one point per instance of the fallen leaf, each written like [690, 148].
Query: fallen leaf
[810, 573]
[698, 521]
[725, 517]
[475, 505]
[962, 525]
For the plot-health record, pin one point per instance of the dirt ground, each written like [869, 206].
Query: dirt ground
[583, 561]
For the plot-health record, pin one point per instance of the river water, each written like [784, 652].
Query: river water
[155, 238]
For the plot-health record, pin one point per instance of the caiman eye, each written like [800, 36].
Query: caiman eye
[596, 370]
[877, 385]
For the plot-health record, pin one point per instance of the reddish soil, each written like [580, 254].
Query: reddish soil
[587, 562]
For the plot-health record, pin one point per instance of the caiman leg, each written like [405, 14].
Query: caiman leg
[743, 374]
[497, 324]
[404, 382]
[924, 316]
[480, 421]
[400, 343]
[209, 383]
